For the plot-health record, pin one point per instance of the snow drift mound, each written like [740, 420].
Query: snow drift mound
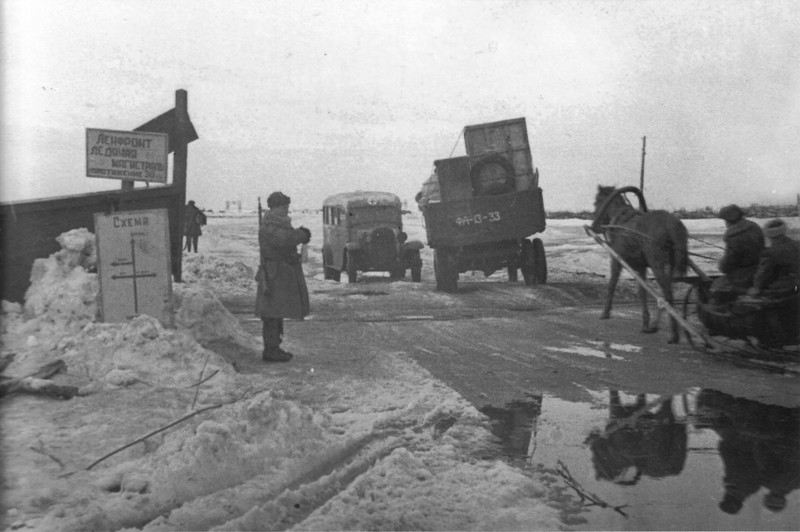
[261, 436]
[231, 276]
[141, 350]
[59, 318]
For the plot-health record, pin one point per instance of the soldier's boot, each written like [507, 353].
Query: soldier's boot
[272, 332]
[272, 354]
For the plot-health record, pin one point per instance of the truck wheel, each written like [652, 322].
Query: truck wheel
[330, 271]
[446, 273]
[416, 268]
[539, 262]
[512, 274]
[352, 268]
[527, 260]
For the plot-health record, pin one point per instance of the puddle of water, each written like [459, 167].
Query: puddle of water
[627, 348]
[365, 293]
[586, 351]
[703, 460]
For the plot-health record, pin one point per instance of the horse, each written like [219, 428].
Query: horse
[655, 239]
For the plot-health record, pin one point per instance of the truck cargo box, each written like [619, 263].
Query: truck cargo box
[485, 218]
[507, 139]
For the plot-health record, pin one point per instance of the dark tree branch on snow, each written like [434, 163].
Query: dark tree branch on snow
[593, 500]
[162, 429]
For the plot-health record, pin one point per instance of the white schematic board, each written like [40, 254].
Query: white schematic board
[134, 266]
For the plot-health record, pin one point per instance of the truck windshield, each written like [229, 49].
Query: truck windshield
[377, 214]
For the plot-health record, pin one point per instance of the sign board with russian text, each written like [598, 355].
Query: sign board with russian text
[129, 155]
[133, 264]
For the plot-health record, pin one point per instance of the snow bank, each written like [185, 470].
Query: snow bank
[229, 276]
[259, 437]
[199, 311]
[437, 490]
[59, 319]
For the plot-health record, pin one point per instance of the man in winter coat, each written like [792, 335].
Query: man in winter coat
[282, 291]
[778, 271]
[744, 241]
[193, 219]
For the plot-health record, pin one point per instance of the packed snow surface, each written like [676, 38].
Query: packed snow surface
[384, 447]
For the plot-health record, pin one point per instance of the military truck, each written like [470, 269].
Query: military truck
[488, 208]
[363, 231]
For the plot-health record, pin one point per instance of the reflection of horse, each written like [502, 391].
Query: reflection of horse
[654, 239]
[653, 443]
[759, 446]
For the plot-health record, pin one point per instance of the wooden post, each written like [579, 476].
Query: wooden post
[641, 174]
[179, 178]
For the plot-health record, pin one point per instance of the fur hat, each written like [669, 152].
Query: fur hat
[731, 213]
[776, 227]
[276, 199]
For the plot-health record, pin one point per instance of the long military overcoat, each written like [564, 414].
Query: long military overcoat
[193, 218]
[744, 241]
[779, 270]
[282, 290]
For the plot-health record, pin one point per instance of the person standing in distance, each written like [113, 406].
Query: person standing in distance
[282, 291]
[193, 219]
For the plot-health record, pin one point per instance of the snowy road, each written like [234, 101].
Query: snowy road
[494, 342]
[404, 407]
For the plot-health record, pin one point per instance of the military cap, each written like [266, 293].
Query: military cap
[731, 213]
[276, 199]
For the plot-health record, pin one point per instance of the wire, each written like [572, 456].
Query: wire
[456, 144]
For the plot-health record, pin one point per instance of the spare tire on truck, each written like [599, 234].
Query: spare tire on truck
[494, 174]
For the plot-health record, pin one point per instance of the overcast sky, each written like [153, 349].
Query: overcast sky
[315, 98]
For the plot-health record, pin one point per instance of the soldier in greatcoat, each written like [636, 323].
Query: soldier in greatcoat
[744, 241]
[778, 272]
[193, 220]
[282, 291]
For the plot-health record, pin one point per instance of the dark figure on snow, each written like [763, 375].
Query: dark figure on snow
[744, 241]
[778, 272]
[193, 220]
[282, 291]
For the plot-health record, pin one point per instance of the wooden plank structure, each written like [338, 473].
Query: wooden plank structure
[28, 229]
[508, 139]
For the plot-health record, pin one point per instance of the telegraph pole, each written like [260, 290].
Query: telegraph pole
[641, 175]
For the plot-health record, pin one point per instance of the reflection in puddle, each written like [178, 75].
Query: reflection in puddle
[700, 460]
[514, 424]
[638, 439]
